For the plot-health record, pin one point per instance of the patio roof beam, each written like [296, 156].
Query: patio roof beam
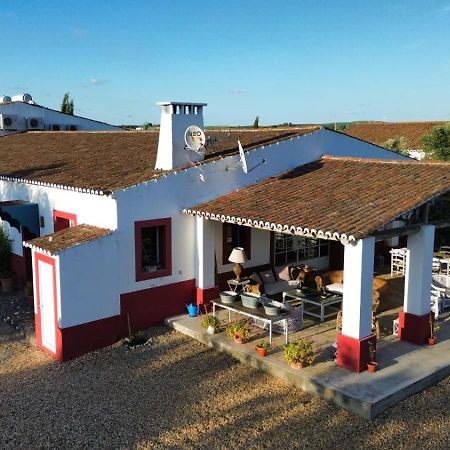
[444, 223]
[394, 232]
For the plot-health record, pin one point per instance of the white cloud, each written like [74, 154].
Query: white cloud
[96, 82]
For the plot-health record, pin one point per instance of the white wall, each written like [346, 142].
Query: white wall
[50, 117]
[98, 210]
[15, 236]
[89, 284]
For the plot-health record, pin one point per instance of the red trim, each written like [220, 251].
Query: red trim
[204, 296]
[412, 328]
[144, 308]
[38, 325]
[167, 257]
[246, 244]
[353, 354]
[72, 218]
[151, 306]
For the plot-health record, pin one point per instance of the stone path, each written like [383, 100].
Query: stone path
[16, 311]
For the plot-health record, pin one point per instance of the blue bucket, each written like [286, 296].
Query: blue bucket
[192, 310]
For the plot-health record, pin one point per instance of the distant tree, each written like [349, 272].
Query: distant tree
[67, 104]
[146, 125]
[256, 122]
[397, 144]
[437, 143]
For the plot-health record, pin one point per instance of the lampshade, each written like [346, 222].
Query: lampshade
[238, 255]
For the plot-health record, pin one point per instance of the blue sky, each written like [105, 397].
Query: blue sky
[286, 61]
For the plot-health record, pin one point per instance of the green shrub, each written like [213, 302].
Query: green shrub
[238, 330]
[299, 352]
[5, 253]
[210, 321]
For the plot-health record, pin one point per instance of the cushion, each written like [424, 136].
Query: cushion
[256, 278]
[283, 273]
[267, 276]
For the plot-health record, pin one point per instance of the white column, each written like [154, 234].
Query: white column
[205, 252]
[419, 262]
[358, 288]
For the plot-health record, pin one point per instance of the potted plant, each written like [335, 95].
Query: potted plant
[433, 329]
[372, 364]
[6, 274]
[262, 347]
[239, 332]
[299, 353]
[210, 323]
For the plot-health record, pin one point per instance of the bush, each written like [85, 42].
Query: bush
[396, 144]
[238, 330]
[5, 253]
[210, 321]
[299, 352]
[437, 143]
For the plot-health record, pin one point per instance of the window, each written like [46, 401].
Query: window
[235, 236]
[63, 220]
[153, 249]
[292, 249]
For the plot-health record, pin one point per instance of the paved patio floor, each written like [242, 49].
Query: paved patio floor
[404, 368]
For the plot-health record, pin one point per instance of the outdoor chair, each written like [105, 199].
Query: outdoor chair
[436, 267]
[441, 284]
[445, 249]
[398, 261]
[436, 303]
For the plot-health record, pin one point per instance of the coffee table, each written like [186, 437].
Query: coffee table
[321, 308]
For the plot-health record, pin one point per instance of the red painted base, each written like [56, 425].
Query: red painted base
[353, 354]
[412, 328]
[204, 296]
[143, 308]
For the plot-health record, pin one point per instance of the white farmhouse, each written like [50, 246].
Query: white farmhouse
[129, 227]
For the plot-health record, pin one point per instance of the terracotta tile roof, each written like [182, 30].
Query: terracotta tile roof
[107, 161]
[379, 132]
[340, 198]
[64, 239]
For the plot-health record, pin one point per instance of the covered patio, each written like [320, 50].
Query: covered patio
[355, 203]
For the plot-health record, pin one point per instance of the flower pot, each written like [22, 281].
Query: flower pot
[261, 351]
[250, 300]
[432, 340]
[238, 340]
[7, 284]
[210, 329]
[228, 296]
[296, 365]
[372, 366]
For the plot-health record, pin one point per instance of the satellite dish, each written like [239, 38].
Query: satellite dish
[195, 139]
[242, 156]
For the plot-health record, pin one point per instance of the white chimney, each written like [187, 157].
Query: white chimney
[176, 117]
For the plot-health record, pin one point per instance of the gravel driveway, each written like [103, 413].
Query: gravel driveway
[176, 394]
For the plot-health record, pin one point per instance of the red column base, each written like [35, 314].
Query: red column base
[204, 296]
[412, 328]
[353, 354]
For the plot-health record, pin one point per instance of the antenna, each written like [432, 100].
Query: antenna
[242, 157]
[195, 139]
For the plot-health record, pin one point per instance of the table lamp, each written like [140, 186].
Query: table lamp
[238, 257]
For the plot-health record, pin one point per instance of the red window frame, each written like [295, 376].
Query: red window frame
[167, 248]
[247, 244]
[72, 218]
